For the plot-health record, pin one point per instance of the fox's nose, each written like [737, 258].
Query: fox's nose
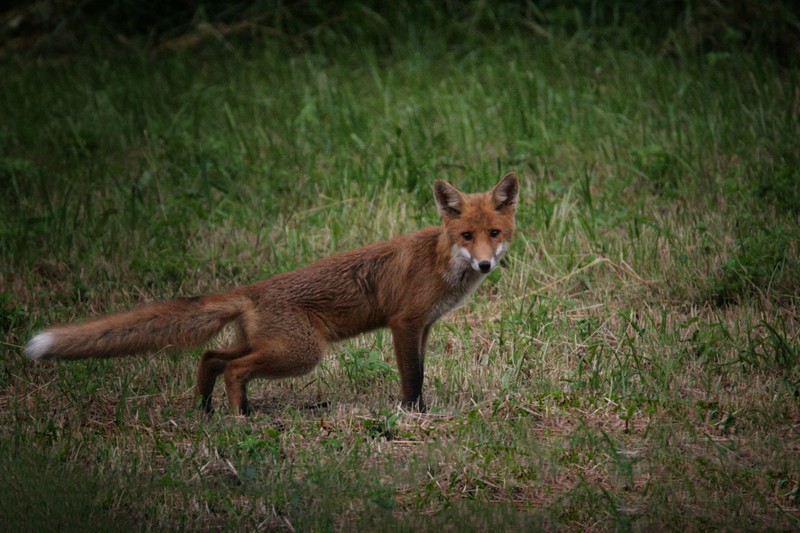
[485, 266]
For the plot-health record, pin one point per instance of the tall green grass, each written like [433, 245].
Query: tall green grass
[633, 365]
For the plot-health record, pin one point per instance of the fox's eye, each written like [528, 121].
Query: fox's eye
[467, 236]
[494, 233]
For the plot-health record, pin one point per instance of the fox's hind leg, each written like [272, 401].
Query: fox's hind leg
[279, 357]
[211, 365]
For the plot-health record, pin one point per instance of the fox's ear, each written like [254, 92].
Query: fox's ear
[505, 193]
[448, 199]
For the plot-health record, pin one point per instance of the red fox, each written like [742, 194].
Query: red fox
[285, 323]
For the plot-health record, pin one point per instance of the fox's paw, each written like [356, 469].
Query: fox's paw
[417, 405]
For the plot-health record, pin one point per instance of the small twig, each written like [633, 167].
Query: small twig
[562, 279]
[233, 468]
[622, 267]
[11, 345]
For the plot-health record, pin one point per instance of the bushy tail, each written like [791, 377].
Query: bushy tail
[178, 323]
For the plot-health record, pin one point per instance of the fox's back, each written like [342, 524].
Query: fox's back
[358, 290]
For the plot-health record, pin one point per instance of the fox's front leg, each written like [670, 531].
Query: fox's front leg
[409, 348]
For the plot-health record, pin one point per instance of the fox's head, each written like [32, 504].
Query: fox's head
[480, 226]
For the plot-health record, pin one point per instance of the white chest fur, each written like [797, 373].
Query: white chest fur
[462, 281]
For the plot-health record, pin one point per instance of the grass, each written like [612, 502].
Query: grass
[634, 365]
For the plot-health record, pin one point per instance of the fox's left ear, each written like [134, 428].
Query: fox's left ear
[505, 193]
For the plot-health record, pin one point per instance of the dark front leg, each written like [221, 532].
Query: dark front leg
[409, 350]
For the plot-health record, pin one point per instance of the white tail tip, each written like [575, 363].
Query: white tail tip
[39, 346]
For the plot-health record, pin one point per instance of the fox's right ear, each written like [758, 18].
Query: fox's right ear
[448, 199]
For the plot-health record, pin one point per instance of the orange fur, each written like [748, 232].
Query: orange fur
[285, 323]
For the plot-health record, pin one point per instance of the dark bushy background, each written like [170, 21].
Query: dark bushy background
[670, 26]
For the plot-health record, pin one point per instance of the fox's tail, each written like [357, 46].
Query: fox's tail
[180, 323]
